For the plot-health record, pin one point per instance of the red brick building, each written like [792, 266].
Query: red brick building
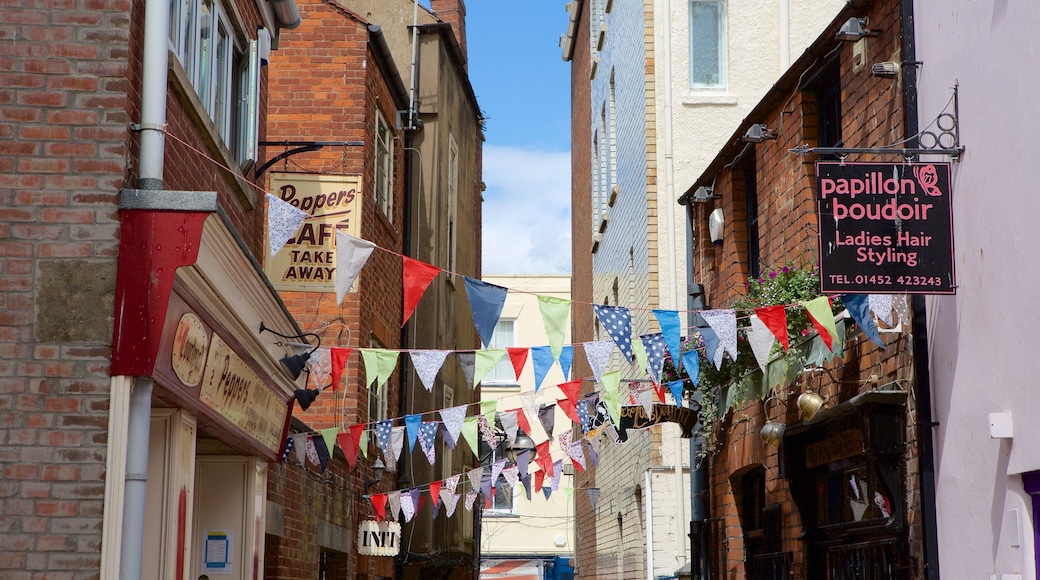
[793, 511]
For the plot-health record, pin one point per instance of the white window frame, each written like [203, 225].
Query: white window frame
[502, 374]
[720, 83]
[383, 167]
[501, 511]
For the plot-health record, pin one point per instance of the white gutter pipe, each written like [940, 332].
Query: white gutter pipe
[132, 545]
[648, 493]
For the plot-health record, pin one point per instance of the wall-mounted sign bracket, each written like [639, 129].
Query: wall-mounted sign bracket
[299, 147]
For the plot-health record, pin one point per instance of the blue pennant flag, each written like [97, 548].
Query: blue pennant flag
[566, 356]
[412, 423]
[858, 306]
[672, 331]
[485, 304]
[711, 342]
[654, 346]
[677, 388]
[692, 363]
[543, 361]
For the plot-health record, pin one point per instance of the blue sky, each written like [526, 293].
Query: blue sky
[523, 86]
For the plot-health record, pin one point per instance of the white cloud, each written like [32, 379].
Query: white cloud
[527, 211]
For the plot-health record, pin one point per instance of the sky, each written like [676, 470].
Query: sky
[522, 85]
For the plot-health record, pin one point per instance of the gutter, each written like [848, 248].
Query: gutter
[567, 38]
[385, 62]
[286, 14]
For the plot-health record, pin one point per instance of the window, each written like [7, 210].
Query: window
[502, 500]
[747, 172]
[223, 69]
[453, 201]
[384, 172]
[707, 44]
[503, 337]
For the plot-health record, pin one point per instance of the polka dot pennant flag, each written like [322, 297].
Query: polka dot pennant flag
[427, 364]
[283, 219]
[881, 305]
[617, 321]
[289, 443]
[383, 429]
[428, 438]
[655, 347]
[598, 355]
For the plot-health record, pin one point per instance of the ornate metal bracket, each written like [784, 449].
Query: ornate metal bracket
[300, 147]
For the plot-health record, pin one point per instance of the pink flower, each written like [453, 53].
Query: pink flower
[772, 274]
[786, 269]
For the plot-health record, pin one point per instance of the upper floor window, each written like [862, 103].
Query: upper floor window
[707, 44]
[384, 172]
[223, 68]
[453, 201]
[503, 337]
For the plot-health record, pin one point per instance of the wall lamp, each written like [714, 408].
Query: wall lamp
[809, 403]
[377, 470]
[853, 30]
[757, 133]
[703, 194]
[772, 432]
[293, 365]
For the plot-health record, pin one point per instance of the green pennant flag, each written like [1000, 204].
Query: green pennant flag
[363, 443]
[611, 396]
[611, 382]
[487, 408]
[554, 316]
[329, 435]
[484, 361]
[379, 365]
[819, 310]
[640, 352]
[469, 431]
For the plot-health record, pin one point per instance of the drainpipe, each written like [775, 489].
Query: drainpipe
[922, 378]
[132, 544]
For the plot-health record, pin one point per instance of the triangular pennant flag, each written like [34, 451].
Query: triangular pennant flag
[611, 382]
[329, 435]
[676, 387]
[593, 454]
[639, 352]
[712, 346]
[518, 356]
[539, 478]
[470, 498]
[397, 442]
[485, 304]
[427, 364]
[379, 365]
[451, 483]
[547, 490]
[412, 423]
[300, 443]
[570, 409]
[521, 420]
[363, 443]
[547, 417]
[570, 389]
[416, 277]
[427, 438]
[469, 433]
[487, 487]
[509, 424]
[378, 505]
[351, 255]
[467, 360]
[583, 415]
[566, 357]
[526, 480]
[577, 455]
[350, 448]
[512, 475]
[557, 472]
[617, 321]
[449, 440]
[417, 499]
[436, 507]
[593, 493]
[435, 492]
[530, 401]
[475, 476]
[655, 349]
[724, 323]
[671, 329]
[555, 312]
[407, 506]
[902, 307]
[486, 431]
[775, 319]
[484, 361]
[287, 450]
[452, 419]
[761, 339]
[598, 355]
[859, 307]
[283, 219]
[383, 429]
[394, 501]
[881, 306]
[523, 461]
[565, 439]
[321, 450]
[320, 365]
[338, 357]
[543, 361]
[612, 399]
[820, 314]
[692, 363]
[544, 458]
[487, 408]
[646, 399]
[451, 503]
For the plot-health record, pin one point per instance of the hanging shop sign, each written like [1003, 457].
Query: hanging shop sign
[885, 228]
[307, 262]
[635, 417]
[378, 538]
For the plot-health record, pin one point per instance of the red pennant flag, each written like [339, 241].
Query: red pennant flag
[569, 408]
[659, 391]
[518, 356]
[435, 491]
[521, 420]
[349, 446]
[821, 329]
[339, 358]
[417, 277]
[422, 500]
[539, 477]
[577, 466]
[571, 389]
[355, 432]
[775, 319]
[487, 500]
[379, 504]
[544, 458]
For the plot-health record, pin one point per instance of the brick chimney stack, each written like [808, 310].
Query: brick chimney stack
[454, 13]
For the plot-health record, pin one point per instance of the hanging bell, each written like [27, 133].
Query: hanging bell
[809, 404]
[773, 433]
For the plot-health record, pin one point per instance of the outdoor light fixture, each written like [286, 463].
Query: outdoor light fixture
[757, 133]
[520, 444]
[853, 30]
[888, 69]
[293, 365]
[716, 226]
[305, 397]
[809, 403]
[377, 470]
[772, 432]
[703, 194]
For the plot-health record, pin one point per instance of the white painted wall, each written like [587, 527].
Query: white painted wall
[983, 358]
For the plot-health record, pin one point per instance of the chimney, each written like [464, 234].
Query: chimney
[454, 13]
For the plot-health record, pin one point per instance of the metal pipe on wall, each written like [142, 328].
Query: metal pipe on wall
[140, 421]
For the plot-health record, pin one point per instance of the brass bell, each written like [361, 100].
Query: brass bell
[773, 433]
[809, 404]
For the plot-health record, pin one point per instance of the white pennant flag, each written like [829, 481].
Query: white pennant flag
[351, 255]
[496, 470]
[452, 503]
[470, 498]
[509, 423]
[451, 483]
[453, 419]
[512, 475]
[320, 365]
[300, 445]
[576, 453]
[427, 364]
[474, 476]
[394, 499]
[598, 355]
[724, 323]
[282, 222]
[761, 340]
[881, 306]
[407, 507]
[646, 399]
